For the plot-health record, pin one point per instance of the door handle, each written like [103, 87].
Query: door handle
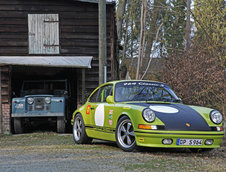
[92, 108]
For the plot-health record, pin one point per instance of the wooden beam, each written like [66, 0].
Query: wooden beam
[112, 37]
[1, 123]
[83, 85]
[102, 40]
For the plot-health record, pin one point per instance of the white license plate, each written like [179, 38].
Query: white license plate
[19, 106]
[190, 142]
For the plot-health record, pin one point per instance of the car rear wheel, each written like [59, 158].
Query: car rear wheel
[60, 124]
[125, 137]
[79, 133]
[18, 126]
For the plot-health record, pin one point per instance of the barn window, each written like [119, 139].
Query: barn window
[43, 33]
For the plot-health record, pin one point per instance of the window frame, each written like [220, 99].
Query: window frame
[99, 92]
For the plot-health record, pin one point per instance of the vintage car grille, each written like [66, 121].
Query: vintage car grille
[39, 103]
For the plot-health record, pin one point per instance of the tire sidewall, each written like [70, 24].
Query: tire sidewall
[133, 146]
[83, 138]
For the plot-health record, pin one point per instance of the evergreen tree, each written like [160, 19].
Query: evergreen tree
[174, 27]
[210, 24]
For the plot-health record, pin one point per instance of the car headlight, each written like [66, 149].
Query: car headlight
[48, 100]
[148, 115]
[216, 117]
[30, 100]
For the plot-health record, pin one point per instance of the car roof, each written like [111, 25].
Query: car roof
[118, 81]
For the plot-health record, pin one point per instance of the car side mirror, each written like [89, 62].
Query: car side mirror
[179, 100]
[110, 99]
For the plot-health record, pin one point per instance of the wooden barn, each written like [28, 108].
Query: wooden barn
[52, 39]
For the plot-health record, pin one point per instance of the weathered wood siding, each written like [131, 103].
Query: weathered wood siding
[78, 31]
[43, 33]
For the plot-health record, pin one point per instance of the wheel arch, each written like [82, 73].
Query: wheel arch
[126, 114]
[73, 117]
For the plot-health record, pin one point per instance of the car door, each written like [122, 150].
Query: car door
[99, 110]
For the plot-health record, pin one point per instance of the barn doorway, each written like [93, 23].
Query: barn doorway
[20, 74]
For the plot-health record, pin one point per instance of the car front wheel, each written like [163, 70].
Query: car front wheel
[79, 132]
[60, 124]
[125, 137]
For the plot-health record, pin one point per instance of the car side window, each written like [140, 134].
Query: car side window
[104, 92]
[101, 94]
[93, 98]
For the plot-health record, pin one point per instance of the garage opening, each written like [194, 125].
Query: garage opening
[27, 80]
[45, 91]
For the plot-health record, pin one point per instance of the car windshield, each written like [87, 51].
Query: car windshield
[49, 85]
[55, 87]
[144, 91]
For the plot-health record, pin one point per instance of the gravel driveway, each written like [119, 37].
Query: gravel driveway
[50, 152]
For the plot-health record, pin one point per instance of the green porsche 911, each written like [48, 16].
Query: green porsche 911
[147, 114]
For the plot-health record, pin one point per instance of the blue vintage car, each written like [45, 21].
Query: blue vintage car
[46, 99]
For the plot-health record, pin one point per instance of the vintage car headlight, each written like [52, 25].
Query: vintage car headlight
[48, 100]
[148, 115]
[30, 100]
[216, 117]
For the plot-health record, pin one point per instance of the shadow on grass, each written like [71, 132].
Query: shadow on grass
[182, 152]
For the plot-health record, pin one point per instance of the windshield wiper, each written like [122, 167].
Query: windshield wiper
[160, 99]
[149, 99]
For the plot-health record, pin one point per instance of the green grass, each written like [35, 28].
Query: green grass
[58, 146]
[171, 163]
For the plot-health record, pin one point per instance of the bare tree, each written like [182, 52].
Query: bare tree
[188, 26]
[142, 37]
[154, 49]
[120, 15]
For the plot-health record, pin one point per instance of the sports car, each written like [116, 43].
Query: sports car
[145, 114]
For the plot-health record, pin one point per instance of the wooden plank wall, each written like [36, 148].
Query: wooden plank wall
[78, 31]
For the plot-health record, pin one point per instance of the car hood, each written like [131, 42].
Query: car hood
[178, 116]
[39, 95]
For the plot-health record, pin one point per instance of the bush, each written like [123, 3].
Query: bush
[197, 77]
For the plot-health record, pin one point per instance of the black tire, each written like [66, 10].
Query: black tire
[125, 138]
[61, 124]
[200, 150]
[18, 126]
[79, 132]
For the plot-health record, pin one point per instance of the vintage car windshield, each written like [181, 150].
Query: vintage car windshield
[144, 91]
[55, 87]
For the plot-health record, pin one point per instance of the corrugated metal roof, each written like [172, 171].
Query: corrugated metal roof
[48, 61]
[96, 1]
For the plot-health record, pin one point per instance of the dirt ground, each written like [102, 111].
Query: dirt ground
[50, 152]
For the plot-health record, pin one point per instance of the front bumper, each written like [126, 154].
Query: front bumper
[155, 138]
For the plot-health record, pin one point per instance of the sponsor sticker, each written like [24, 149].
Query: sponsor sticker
[110, 122]
[110, 116]
[88, 109]
[143, 84]
[111, 112]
